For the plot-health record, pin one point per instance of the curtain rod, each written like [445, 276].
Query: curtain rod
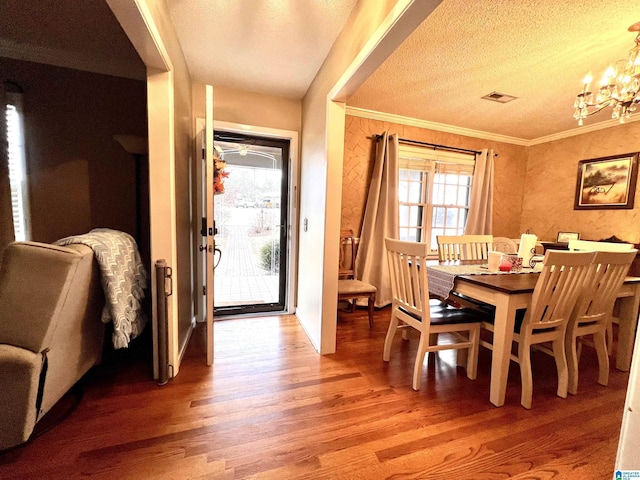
[435, 145]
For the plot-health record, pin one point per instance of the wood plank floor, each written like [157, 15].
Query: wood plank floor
[271, 407]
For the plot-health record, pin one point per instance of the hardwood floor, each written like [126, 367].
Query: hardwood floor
[271, 407]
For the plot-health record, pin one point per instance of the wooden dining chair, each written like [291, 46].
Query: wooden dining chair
[593, 311]
[545, 320]
[350, 288]
[411, 308]
[593, 246]
[464, 247]
[504, 245]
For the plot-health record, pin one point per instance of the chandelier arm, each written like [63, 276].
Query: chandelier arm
[620, 87]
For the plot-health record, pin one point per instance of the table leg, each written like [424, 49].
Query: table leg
[502, 338]
[627, 329]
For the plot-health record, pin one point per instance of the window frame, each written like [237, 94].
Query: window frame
[431, 163]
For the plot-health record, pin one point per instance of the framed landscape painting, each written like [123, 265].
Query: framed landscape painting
[608, 182]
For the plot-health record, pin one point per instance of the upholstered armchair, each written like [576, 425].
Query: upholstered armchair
[50, 330]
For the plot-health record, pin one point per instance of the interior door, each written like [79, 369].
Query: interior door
[208, 223]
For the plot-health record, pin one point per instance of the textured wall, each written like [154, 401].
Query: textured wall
[551, 181]
[510, 170]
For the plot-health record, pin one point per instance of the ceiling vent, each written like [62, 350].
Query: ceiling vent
[499, 97]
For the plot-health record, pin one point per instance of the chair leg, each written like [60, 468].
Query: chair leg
[370, 307]
[472, 352]
[599, 342]
[561, 366]
[610, 337]
[417, 369]
[572, 361]
[391, 332]
[524, 359]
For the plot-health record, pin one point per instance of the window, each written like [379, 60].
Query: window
[17, 167]
[434, 191]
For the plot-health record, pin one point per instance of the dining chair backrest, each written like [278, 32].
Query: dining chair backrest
[464, 247]
[408, 281]
[556, 292]
[346, 266]
[589, 246]
[504, 245]
[607, 274]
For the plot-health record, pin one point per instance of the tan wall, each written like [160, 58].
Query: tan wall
[79, 177]
[359, 155]
[248, 108]
[549, 187]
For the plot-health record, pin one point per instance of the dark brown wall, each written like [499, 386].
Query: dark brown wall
[79, 177]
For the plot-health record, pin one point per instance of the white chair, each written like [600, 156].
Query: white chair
[545, 320]
[592, 314]
[504, 245]
[591, 246]
[411, 309]
[349, 288]
[464, 247]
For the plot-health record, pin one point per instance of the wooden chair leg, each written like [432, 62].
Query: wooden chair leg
[572, 360]
[599, 342]
[524, 359]
[472, 352]
[391, 332]
[417, 368]
[561, 365]
[372, 299]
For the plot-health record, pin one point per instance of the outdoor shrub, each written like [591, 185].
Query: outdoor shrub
[266, 259]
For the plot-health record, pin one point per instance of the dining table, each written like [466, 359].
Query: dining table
[511, 291]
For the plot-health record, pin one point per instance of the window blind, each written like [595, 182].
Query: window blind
[439, 161]
[17, 170]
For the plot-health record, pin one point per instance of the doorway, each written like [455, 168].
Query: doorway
[252, 226]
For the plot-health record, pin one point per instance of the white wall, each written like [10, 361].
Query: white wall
[629, 445]
[374, 29]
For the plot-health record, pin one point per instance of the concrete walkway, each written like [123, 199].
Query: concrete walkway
[239, 279]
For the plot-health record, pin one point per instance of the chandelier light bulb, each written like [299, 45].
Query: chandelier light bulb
[619, 87]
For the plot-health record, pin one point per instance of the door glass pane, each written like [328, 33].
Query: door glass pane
[250, 219]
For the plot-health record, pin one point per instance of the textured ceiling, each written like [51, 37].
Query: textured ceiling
[270, 47]
[81, 34]
[536, 50]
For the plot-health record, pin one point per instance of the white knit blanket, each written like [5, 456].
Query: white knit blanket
[123, 277]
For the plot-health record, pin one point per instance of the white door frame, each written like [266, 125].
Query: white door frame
[292, 214]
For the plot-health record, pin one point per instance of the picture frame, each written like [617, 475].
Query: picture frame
[564, 237]
[607, 182]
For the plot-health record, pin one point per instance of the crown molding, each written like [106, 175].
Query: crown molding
[582, 130]
[441, 127]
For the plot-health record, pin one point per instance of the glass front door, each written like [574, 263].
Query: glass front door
[251, 220]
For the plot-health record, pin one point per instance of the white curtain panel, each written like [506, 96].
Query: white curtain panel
[479, 221]
[381, 219]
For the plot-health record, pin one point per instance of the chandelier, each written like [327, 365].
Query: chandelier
[619, 87]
